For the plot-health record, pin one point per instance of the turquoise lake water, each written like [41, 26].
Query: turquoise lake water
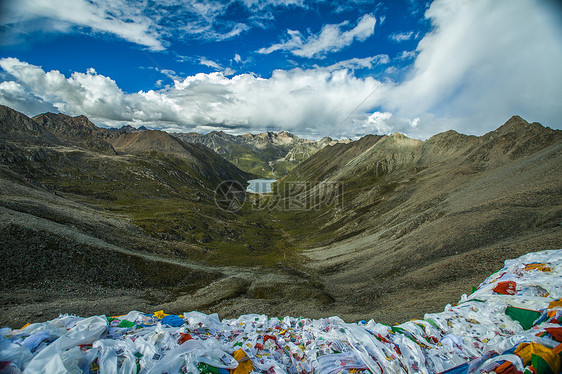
[260, 185]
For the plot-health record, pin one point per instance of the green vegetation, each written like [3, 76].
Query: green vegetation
[260, 162]
[162, 195]
[249, 161]
[283, 167]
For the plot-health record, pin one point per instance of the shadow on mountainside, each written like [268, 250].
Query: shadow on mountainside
[94, 221]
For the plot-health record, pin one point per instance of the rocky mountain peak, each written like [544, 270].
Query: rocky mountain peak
[77, 130]
[285, 134]
[62, 123]
[17, 126]
[9, 118]
[516, 120]
[397, 135]
[265, 135]
[518, 124]
[127, 128]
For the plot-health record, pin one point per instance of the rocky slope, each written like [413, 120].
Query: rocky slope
[79, 131]
[132, 223]
[418, 222]
[17, 128]
[96, 221]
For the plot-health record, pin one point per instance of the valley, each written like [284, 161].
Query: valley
[99, 221]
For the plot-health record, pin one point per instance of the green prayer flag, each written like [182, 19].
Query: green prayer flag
[207, 369]
[125, 323]
[540, 365]
[525, 317]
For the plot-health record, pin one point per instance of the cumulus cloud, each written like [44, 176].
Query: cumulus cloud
[16, 96]
[315, 99]
[483, 62]
[330, 39]
[378, 123]
[475, 69]
[89, 92]
[386, 123]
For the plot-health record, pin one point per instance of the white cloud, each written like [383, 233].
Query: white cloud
[391, 70]
[314, 99]
[168, 72]
[228, 72]
[17, 97]
[261, 4]
[377, 123]
[475, 69]
[151, 24]
[406, 55]
[330, 39]
[483, 62]
[209, 63]
[212, 64]
[294, 42]
[360, 63]
[206, 29]
[288, 100]
[401, 36]
[80, 93]
[237, 58]
[121, 18]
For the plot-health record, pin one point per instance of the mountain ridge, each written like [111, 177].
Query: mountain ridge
[15, 127]
[268, 154]
[78, 130]
[422, 218]
[403, 227]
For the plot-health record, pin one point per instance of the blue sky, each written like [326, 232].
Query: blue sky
[315, 68]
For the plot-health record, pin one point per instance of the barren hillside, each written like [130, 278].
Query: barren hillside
[98, 221]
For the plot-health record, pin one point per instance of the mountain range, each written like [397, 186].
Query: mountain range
[419, 220]
[95, 221]
[267, 154]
